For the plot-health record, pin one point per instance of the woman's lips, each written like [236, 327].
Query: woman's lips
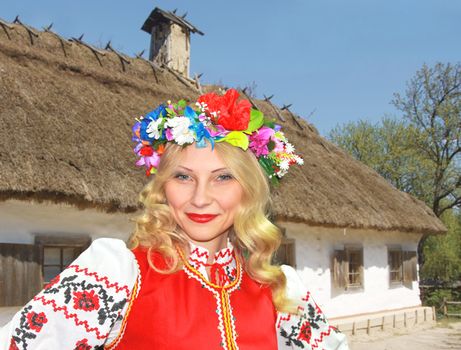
[201, 218]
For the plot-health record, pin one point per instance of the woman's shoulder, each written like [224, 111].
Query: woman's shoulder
[308, 328]
[81, 304]
[110, 258]
[295, 288]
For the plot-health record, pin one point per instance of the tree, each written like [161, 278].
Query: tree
[443, 253]
[388, 148]
[421, 155]
[432, 105]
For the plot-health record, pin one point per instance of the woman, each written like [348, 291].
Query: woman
[199, 272]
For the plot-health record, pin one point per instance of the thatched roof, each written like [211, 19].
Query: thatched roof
[158, 15]
[65, 137]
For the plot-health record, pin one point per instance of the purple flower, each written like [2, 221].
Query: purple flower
[148, 161]
[260, 139]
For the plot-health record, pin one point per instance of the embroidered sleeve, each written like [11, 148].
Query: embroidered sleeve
[309, 329]
[78, 308]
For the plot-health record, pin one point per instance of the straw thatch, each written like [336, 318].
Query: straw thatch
[65, 137]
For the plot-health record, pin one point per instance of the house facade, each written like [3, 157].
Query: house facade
[357, 271]
[67, 176]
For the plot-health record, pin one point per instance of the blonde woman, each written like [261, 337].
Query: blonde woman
[198, 274]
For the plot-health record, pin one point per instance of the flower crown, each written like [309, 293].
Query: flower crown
[213, 118]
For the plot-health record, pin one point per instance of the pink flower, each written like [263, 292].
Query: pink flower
[260, 139]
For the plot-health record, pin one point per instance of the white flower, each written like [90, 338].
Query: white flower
[299, 160]
[284, 165]
[289, 148]
[152, 129]
[180, 130]
[281, 173]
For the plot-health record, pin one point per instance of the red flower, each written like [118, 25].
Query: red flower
[146, 151]
[13, 345]
[36, 321]
[305, 332]
[82, 345]
[231, 114]
[52, 282]
[86, 301]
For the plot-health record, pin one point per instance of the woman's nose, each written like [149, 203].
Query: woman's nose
[202, 195]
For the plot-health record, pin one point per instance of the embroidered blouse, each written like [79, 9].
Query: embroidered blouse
[110, 298]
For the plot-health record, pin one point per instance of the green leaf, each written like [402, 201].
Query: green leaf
[269, 123]
[182, 104]
[236, 138]
[170, 112]
[271, 145]
[256, 121]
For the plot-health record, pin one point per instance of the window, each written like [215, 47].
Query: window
[286, 254]
[395, 262]
[402, 267]
[347, 268]
[57, 252]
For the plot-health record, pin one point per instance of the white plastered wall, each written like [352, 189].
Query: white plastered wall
[314, 248]
[20, 221]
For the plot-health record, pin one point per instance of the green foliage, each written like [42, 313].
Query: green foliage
[434, 297]
[256, 121]
[443, 253]
[236, 138]
[432, 105]
[387, 147]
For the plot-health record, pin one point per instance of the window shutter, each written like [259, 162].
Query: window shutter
[339, 267]
[361, 268]
[409, 267]
[20, 273]
[291, 252]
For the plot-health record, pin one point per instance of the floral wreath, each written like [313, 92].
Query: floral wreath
[213, 118]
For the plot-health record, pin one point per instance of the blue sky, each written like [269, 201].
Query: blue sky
[342, 59]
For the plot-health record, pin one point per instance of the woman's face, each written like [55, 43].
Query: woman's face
[203, 196]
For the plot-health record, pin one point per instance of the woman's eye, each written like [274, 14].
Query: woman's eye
[225, 177]
[182, 177]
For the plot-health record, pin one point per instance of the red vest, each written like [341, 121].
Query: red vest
[182, 311]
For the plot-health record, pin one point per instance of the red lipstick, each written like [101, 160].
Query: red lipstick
[201, 218]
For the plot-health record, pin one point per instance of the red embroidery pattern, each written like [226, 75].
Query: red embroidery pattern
[101, 279]
[31, 323]
[323, 334]
[223, 254]
[86, 301]
[52, 282]
[309, 327]
[36, 321]
[69, 315]
[82, 345]
[283, 318]
[305, 332]
[13, 345]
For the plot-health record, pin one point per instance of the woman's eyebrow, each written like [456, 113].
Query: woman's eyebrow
[213, 171]
[219, 169]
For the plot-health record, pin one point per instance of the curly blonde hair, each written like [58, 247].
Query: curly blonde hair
[254, 236]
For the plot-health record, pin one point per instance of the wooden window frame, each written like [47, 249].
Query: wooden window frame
[287, 250]
[341, 274]
[62, 242]
[398, 271]
[408, 269]
[286, 253]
